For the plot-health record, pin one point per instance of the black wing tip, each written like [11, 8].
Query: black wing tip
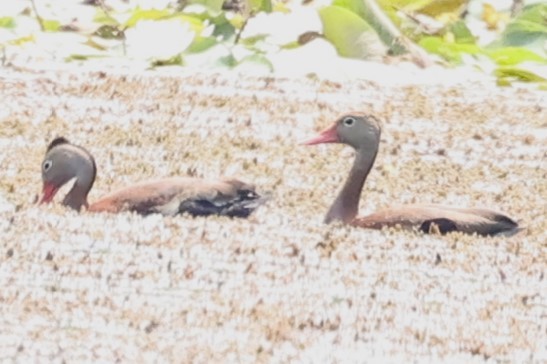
[205, 208]
[441, 225]
[511, 224]
[243, 206]
[57, 141]
[504, 226]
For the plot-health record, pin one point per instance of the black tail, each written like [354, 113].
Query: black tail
[502, 225]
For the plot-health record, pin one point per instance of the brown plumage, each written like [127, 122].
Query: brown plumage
[362, 132]
[169, 196]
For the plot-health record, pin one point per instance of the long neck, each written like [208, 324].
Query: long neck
[77, 196]
[346, 204]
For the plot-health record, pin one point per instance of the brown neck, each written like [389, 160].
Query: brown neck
[77, 196]
[346, 205]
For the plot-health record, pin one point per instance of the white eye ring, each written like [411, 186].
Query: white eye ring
[349, 121]
[47, 165]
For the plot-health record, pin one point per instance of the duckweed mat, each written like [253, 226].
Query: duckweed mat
[279, 286]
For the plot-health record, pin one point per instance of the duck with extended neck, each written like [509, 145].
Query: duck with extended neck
[65, 161]
[362, 133]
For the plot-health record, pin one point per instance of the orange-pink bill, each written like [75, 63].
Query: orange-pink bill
[329, 135]
[48, 192]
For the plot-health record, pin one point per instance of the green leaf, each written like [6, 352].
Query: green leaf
[227, 61]
[22, 40]
[109, 32]
[7, 22]
[449, 51]
[461, 33]
[256, 62]
[349, 33]
[251, 41]
[355, 6]
[366, 11]
[196, 24]
[528, 29]
[510, 56]
[260, 5]
[83, 57]
[507, 74]
[224, 31]
[51, 25]
[90, 42]
[173, 61]
[201, 44]
[147, 14]
[104, 18]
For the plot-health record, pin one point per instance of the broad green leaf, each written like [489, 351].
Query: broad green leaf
[22, 40]
[535, 13]
[365, 10]
[251, 41]
[51, 25]
[410, 5]
[7, 22]
[201, 44]
[436, 8]
[225, 32]
[509, 56]
[227, 61]
[195, 23]
[260, 5]
[461, 32]
[350, 34]
[291, 45]
[518, 74]
[528, 29]
[281, 8]
[355, 6]
[450, 51]
[147, 14]
[237, 21]
[255, 62]
[433, 8]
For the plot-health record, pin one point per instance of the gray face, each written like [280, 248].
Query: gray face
[57, 167]
[359, 131]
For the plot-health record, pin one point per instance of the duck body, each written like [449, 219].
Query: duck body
[65, 161]
[175, 195]
[438, 218]
[362, 132]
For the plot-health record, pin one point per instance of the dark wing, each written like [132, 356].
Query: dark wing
[171, 196]
[241, 205]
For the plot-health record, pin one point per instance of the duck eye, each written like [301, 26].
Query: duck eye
[349, 121]
[47, 165]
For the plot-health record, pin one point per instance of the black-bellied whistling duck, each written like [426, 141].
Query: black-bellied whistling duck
[199, 197]
[362, 132]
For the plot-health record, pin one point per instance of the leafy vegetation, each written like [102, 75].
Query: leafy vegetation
[250, 33]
